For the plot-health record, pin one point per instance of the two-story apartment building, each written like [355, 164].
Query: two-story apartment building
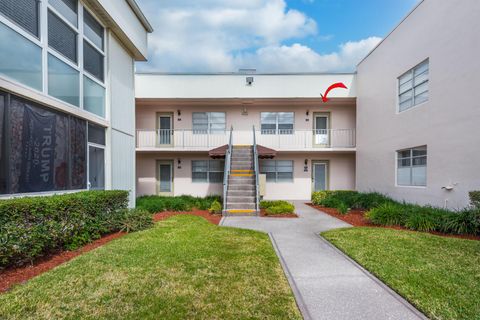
[67, 104]
[304, 143]
[413, 103]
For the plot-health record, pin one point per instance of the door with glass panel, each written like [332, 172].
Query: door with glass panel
[165, 177]
[320, 175]
[164, 129]
[96, 168]
[321, 126]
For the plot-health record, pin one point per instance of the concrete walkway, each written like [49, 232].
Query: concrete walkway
[326, 283]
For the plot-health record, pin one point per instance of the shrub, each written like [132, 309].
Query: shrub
[387, 214]
[277, 207]
[463, 222]
[34, 226]
[215, 208]
[349, 199]
[342, 208]
[422, 221]
[154, 204]
[131, 220]
[475, 199]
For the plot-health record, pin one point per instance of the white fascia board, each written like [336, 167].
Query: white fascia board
[204, 86]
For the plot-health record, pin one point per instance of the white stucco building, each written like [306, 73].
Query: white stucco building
[67, 104]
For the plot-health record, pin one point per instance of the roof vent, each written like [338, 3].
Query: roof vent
[247, 71]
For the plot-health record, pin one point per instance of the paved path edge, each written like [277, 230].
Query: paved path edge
[293, 285]
[390, 291]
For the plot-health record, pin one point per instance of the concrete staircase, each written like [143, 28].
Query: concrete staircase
[241, 188]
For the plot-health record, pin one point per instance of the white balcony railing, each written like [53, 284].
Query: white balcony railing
[276, 139]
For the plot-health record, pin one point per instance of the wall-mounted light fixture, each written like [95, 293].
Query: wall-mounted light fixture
[179, 163]
[307, 113]
[249, 81]
[179, 113]
[305, 168]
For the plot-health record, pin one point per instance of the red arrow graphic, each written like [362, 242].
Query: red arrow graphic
[333, 86]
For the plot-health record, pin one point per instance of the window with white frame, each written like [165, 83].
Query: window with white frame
[412, 167]
[413, 86]
[277, 170]
[73, 40]
[208, 122]
[277, 122]
[211, 171]
[96, 157]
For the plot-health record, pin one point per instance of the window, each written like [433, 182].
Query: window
[67, 8]
[96, 134]
[277, 170]
[63, 81]
[277, 122]
[45, 150]
[62, 37]
[208, 171]
[208, 122]
[412, 167]
[24, 13]
[93, 97]
[61, 74]
[20, 59]
[413, 86]
[92, 61]
[93, 31]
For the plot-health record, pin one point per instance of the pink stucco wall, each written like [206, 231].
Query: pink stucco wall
[341, 174]
[342, 115]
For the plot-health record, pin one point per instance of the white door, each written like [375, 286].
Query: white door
[165, 131]
[321, 130]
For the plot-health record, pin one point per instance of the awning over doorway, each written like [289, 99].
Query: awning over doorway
[263, 152]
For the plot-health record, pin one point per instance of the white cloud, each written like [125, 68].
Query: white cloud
[225, 35]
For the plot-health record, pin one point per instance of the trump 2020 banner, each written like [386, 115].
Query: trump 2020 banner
[38, 152]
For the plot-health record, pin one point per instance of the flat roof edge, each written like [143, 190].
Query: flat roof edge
[140, 15]
[245, 74]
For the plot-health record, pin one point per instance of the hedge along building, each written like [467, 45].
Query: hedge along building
[184, 121]
[67, 103]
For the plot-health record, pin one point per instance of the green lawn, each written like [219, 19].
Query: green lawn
[440, 276]
[183, 268]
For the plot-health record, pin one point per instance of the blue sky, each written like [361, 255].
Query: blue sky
[269, 35]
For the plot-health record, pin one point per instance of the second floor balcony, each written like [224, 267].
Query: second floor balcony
[282, 140]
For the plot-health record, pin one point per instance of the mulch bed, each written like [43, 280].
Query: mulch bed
[17, 275]
[263, 213]
[357, 219]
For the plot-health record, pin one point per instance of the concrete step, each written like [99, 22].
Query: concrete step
[241, 193]
[240, 212]
[242, 158]
[241, 180]
[237, 167]
[241, 187]
[240, 199]
[240, 206]
[241, 171]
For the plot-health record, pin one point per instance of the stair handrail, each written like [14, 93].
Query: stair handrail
[228, 160]
[256, 171]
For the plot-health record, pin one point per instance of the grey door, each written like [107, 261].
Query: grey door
[165, 131]
[96, 168]
[165, 177]
[320, 176]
